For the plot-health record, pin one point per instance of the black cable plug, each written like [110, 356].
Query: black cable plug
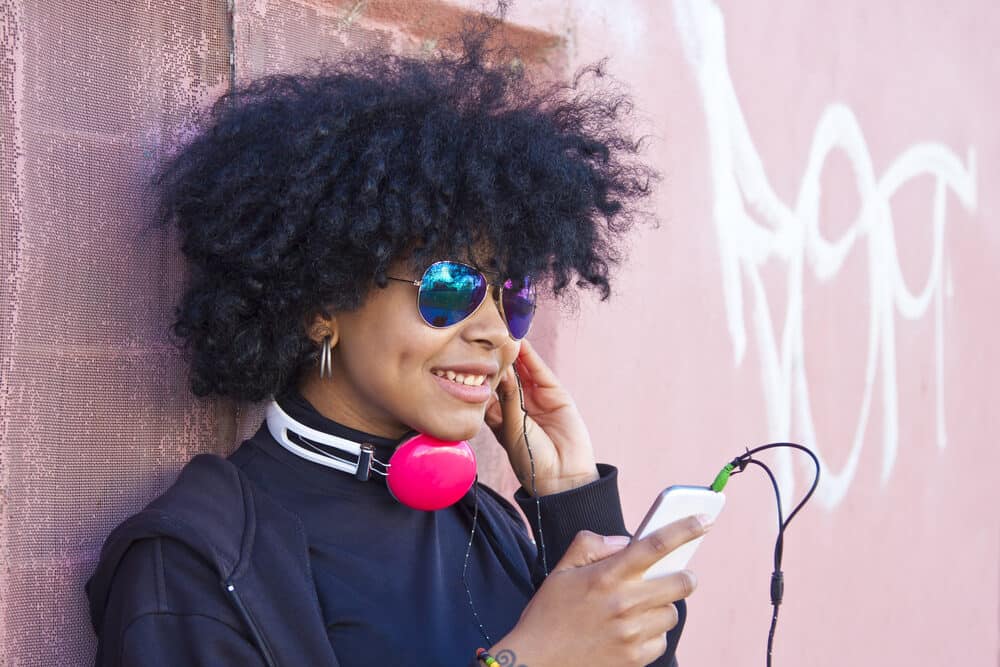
[777, 587]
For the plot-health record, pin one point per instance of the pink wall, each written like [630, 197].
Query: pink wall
[822, 274]
[826, 272]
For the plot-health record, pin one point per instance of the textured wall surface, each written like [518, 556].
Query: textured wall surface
[95, 415]
[825, 273]
[92, 422]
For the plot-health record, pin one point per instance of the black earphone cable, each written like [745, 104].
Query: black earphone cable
[475, 515]
[738, 465]
[531, 458]
[468, 550]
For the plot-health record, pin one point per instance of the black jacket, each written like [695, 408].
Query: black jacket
[216, 572]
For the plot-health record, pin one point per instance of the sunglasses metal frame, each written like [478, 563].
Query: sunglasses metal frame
[492, 288]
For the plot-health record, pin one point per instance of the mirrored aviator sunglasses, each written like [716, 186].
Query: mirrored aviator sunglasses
[450, 292]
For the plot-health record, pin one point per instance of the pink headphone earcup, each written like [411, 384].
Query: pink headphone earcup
[430, 474]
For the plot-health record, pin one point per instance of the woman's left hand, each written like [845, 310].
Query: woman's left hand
[559, 441]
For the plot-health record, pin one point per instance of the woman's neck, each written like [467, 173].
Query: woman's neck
[333, 404]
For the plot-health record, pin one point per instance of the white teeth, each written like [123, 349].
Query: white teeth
[470, 380]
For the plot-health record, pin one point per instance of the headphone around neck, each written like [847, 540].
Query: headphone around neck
[424, 472]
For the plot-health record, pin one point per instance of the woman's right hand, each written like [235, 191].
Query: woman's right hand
[595, 609]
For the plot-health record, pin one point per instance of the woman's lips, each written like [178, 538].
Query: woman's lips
[465, 392]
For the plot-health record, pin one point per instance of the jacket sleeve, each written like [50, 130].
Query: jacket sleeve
[165, 607]
[167, 640]
[595, 507]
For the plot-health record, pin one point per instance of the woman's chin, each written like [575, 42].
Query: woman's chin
[454, 432]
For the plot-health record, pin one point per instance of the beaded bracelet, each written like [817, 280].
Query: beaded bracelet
[485, 657]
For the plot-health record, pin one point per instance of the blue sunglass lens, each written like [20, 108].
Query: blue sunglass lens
[519, 306]
[450, 292]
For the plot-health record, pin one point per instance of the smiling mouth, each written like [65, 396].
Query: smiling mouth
[459, 378]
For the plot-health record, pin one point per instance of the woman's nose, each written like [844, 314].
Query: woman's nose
[487, 323]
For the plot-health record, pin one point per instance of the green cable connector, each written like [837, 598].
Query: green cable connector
[722, 478]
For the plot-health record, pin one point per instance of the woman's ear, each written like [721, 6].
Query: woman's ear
[322, 326]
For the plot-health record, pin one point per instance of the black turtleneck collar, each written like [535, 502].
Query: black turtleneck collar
[301, 410]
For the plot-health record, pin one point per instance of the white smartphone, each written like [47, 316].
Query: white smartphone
[677, 502]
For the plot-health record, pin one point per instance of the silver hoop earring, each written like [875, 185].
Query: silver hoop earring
[326, 358]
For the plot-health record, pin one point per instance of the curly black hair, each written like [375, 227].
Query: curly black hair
[300, 189]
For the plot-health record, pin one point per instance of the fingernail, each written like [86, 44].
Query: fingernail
[705, 521]
[617, 540]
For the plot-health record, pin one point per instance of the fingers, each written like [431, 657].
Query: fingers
[658, 621]
[656, 593]
[532, 371]
[588, 547]
[641, 554]
[494, 413]
[507, 389]
[532, 368]
[644, 635]
[506, 414]
[504, 407]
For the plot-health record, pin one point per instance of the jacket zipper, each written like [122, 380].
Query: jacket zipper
[251, 624]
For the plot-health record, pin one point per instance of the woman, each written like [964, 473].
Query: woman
[366, 242]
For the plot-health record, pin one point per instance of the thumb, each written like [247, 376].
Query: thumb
[587, 548]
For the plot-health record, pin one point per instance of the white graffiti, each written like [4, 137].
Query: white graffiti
[755, 227]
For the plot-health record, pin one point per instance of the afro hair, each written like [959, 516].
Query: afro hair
[300, 189]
